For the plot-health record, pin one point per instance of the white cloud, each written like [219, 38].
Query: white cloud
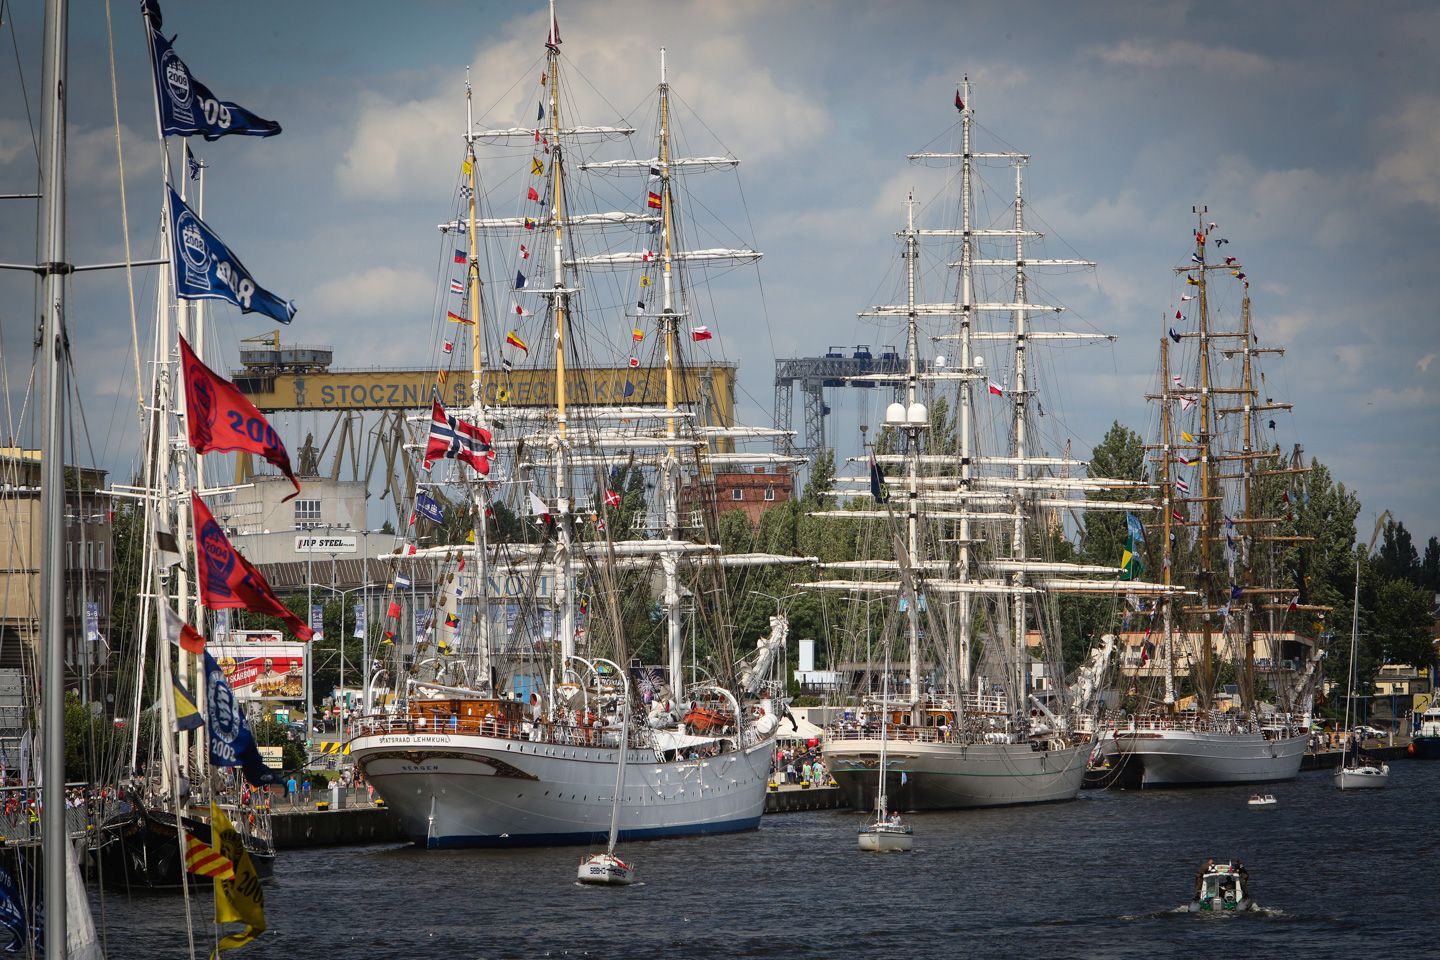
[402, 145]
[1384, 399]
[1178, 54]
[377, 291]
[1424, 362]
[1407, 173]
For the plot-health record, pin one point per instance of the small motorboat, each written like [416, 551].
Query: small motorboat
[1263, 800]
[605, 869]
[887, 835]
[1362, 774]
[1222, 888]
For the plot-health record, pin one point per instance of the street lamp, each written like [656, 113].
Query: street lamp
[363, 588]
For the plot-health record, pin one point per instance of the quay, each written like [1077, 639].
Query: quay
[790, 797]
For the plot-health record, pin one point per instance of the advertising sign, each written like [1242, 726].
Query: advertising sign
[262, 671]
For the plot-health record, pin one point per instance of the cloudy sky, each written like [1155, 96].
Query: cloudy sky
[1308, 129]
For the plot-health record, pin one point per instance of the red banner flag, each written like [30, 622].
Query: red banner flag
[221, 420]
[229, 580]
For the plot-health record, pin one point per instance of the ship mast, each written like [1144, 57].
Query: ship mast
[53, 268]
[669, 472]
[560, 303]
[1166, 551]
[1021, 403]
[477, 396]
[1204, 679]
[967, 362]
[1247, 473]
[913, 451]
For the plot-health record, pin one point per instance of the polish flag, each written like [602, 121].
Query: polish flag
[995, 388]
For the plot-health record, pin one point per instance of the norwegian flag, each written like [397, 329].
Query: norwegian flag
[455, 439]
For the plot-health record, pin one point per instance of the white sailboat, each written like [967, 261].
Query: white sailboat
[1357, 771]
[1251, 742]
[982, 737]
[886, 834]
[466, 763]
[606, 868]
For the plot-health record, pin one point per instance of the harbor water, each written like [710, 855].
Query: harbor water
[1107, 876]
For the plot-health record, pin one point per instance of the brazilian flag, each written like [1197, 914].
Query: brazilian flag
[1132, 566]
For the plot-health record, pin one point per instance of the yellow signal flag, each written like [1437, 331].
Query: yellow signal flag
[644, 281]
[241, 898]
[1186, 437]
[536, 167]
[467, 168]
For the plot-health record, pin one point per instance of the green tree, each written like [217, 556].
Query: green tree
[1430, 566]
[1397, 557]
[1119, 456]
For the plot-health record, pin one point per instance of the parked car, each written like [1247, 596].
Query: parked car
[1368, 733]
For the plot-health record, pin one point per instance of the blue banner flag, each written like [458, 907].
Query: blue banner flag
[231, 743]
[1134, 527]
[13, 911]
[187, 107]
[427, 507]
[205, 269]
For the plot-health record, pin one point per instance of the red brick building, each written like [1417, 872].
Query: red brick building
[753, 491]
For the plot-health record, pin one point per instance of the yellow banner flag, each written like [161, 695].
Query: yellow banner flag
[241, 897]
[466, 167]
[536, 167]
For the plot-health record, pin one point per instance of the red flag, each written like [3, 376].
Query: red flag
[180, 633]
[229, 580]
[221, 420]
[700, 333]
[612, 499]
[653, 200]
[995, 388]
[959, 104]
[393, 612]
[533, 195]
[553, 40]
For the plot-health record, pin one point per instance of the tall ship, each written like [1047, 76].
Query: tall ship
[1225, 693]
[504, 718]
[965, 545]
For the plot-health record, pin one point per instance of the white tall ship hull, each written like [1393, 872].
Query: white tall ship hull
[1181, 757]
[461, 789]
[951, 776]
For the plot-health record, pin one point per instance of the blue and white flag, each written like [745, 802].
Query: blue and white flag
[187, 107]
[427, 507]
[205, 269]
[13, 912]
[360, 612]
[231, 743]
[1134, 527]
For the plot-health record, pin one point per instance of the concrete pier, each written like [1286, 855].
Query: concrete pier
[790, 797]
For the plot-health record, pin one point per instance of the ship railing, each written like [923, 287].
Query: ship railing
[530, 731]
[1160, 724]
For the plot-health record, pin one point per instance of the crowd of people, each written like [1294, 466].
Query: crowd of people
[800, 765]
